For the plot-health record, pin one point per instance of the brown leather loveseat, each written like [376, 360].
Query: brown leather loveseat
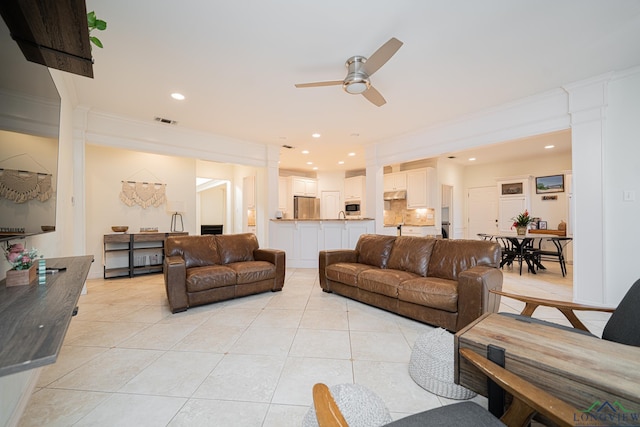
[441, 282]
[204, 269]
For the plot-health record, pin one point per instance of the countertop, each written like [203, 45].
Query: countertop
[322, 219]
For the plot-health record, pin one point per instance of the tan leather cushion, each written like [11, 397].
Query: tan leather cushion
[197, 251]
[430, 292]
[374, 249]
[204, 278]
[253, 271]
[451, 257]
[346, 272]
[411, 254]
[383, 281]
[236, 247]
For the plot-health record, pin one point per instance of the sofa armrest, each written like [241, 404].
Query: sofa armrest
[277, 258]
[474, 296]
[328, 257]
[175, 282]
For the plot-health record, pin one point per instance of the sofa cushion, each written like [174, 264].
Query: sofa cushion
[204, 278]
[346, 272]
[412, 254]
[197, 251]
[383, 281]
[253, 271]
[236, 247]
[374, 249]
[430, 292]
[451, 257]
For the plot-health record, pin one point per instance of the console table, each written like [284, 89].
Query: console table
[577, 368]
[35, 317]
[127, 255]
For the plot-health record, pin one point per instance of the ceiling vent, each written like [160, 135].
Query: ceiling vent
[165, 121]
[287, 146]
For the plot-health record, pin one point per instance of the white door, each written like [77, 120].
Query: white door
[330, 204]
[483, 211]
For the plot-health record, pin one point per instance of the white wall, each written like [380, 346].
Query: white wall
[453, 174]
[552, 211]
[213, 205]
[106, 168]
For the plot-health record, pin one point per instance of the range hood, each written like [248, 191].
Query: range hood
[395, 195]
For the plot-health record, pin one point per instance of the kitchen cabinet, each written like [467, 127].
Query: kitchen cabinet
[304, 186]
[249, 192]
[421, 188]
[417, 231]
[354, 188]
[395, 181]
[282, 194]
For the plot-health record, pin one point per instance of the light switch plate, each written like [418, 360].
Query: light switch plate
[629, 195]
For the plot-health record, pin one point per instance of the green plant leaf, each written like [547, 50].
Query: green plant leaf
[101, 25]
[91, 19]
[96, 41]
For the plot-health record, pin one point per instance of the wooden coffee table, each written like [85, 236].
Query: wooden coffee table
[578, 369]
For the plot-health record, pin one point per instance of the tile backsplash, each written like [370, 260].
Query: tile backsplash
[396, 212]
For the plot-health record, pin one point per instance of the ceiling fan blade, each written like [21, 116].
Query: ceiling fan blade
[382, 55]
[318, 84]
[374, 97]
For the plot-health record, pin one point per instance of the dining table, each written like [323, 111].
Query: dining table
[520, 247]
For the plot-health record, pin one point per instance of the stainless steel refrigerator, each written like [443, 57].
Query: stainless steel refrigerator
[306, 207]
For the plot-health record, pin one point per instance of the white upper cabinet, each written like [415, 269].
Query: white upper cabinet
[421, 184]
[354, 188]
[249, 192]
[304, 186]
[395, 181]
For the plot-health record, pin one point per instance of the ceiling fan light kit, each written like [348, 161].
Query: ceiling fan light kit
[360, 69]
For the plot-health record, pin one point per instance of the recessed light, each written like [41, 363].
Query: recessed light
[341, 162]
[177, 96]
[315, 168]
[305, 151]
[309, 163]
[549, 146]
[472, 159]
[351, 154]
[315, 135]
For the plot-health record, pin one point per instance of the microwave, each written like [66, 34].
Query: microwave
[352, 208]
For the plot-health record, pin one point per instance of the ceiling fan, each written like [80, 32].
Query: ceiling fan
[360, 69]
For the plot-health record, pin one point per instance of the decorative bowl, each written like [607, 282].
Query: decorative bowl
[120, 228]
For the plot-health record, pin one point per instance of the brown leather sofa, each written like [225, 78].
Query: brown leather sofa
[204, 269]
[441, 282]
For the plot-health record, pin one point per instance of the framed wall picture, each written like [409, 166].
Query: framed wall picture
[512, 188]
[542, 225]
[550, 184]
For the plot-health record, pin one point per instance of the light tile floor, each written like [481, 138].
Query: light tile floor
[127, 361]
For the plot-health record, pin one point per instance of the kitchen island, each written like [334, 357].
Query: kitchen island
[302, 239]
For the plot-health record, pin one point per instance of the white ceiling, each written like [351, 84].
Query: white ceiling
[237, 62]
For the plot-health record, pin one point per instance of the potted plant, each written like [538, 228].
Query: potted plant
[95, 24]
[521, 222]
[23, 267]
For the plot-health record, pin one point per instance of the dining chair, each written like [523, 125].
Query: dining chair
[559, 243]
[528, 400]
[622, 327]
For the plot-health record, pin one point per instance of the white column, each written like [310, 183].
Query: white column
[587, 106]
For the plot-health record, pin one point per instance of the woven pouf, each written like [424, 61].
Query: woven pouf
[359, 406]
[431, 365]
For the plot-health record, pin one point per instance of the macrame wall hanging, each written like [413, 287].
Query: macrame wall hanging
[144, 194]
[21, 186]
